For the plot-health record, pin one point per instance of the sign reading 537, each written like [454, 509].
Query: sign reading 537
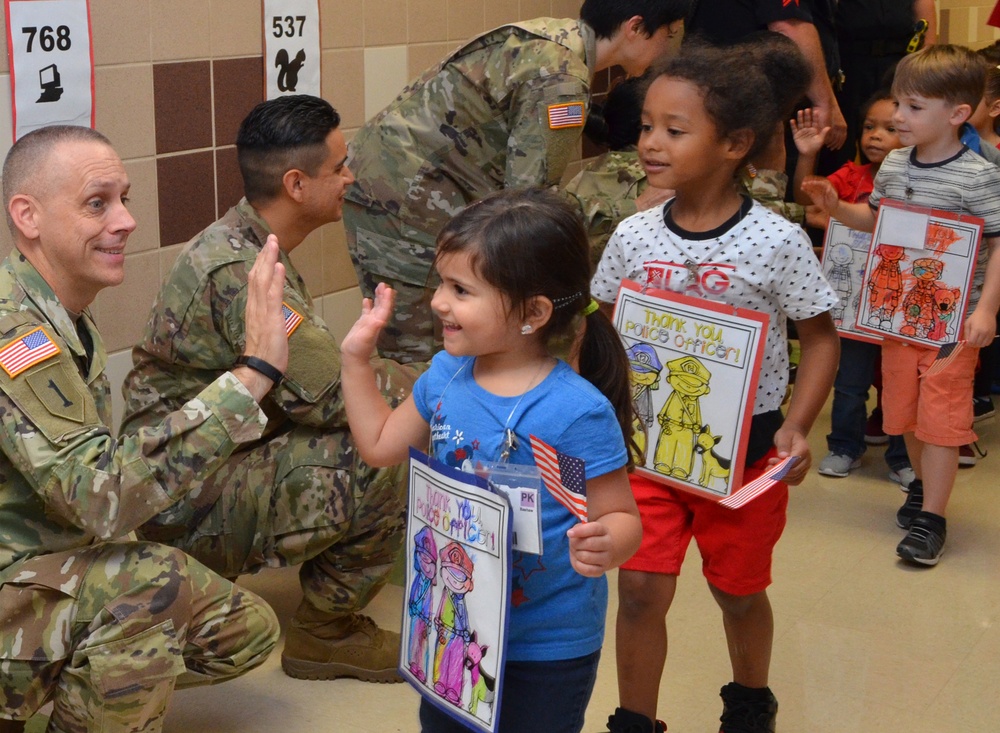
[291, 47]
[52, 79]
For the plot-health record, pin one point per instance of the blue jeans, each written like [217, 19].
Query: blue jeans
[850, 410]
[538, 697]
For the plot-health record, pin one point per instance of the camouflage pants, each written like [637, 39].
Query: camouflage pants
[301, 497]
[106, 631]
[384, 249]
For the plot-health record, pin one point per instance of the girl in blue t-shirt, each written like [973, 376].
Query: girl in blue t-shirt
[515, 275]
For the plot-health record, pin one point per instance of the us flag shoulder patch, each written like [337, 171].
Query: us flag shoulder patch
[565, 115]
[26, 351]
[292, 318]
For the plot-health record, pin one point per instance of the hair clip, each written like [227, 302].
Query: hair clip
[565, 300]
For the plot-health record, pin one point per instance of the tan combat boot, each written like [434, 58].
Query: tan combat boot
[318, 647]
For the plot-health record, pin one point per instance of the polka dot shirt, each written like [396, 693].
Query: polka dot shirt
[756, 260]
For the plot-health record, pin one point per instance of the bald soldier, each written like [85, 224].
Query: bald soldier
[100, 626]
[301, 495]
[506, 110]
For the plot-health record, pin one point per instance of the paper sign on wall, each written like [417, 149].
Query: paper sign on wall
[291, 48]
[51, 63]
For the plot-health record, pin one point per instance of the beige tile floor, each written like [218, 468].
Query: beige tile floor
[863, 644]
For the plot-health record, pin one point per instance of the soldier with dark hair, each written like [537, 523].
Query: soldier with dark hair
[300, 495]
[100, 626]
[504, 111]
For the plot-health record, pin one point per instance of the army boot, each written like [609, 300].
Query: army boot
[626, 721]
[321, 647]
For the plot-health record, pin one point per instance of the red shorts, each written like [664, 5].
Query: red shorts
[736, 544]
[937, 409]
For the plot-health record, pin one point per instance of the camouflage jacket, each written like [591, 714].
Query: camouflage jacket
[607, 188]
[767, 187]
[606, 191]
[477, 122]
[195, 332]
[65, 481]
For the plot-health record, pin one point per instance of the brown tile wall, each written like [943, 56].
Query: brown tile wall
[173, 79]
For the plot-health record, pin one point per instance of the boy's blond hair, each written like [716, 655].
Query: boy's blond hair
[946, 71]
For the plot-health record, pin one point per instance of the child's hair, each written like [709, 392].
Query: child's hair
[531, 242]
[783, 64]
[738, 96]
[946, 71]
[616, 123]
[883, 94]
[991, 61]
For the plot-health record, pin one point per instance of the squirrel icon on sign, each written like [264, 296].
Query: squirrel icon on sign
[288, 69]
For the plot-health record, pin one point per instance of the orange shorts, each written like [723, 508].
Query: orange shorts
[936, 409]
[736, 545]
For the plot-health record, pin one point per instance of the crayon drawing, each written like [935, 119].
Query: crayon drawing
[458, 562]
[694, 377]
[918, 274]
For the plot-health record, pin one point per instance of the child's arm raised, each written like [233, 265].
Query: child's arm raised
[809, 139]
[824, 195]
[382, 435]
[817, 368]
[981, 325]
[613, 532]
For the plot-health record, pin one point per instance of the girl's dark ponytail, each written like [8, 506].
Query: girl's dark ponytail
[604, 364]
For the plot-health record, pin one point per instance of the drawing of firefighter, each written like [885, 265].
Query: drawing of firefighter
[452, 623]
[839, 277]
[646, 367]
[885, 286]
[918, 306]
[680, 418]
[421, 605]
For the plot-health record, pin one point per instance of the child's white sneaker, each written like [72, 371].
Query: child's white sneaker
[838, 465]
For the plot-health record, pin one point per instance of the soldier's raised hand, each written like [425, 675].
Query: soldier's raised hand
[266, 339]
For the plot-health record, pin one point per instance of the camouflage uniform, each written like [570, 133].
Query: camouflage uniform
[300, 495]
[767, 187]
[476, 123]
[104, 627]
[608, 187]
[606, 191]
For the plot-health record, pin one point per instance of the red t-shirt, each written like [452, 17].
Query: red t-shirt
[853, 182]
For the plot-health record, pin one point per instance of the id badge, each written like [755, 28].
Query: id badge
[522, 485]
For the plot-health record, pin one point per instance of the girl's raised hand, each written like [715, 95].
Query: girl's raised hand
[359, 343]
[806, 133]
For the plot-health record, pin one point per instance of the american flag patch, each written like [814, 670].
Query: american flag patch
[565, 115]
[292, 319]
[23, 353]
[563, 476]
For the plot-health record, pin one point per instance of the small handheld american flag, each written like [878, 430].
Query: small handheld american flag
[760, 484]
[563, 476]
[945, 356]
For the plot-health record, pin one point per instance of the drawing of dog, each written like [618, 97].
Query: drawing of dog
[483, 687]
[713, 466]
